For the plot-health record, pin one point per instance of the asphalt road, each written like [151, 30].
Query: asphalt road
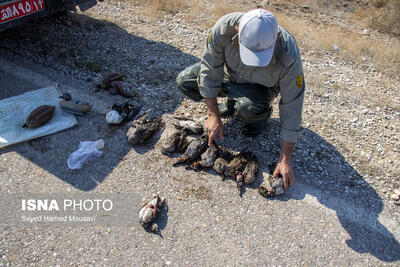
[206, 222]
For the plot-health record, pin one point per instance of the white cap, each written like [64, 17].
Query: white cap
[258, 30]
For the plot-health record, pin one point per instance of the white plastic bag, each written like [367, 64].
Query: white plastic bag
[86, 150]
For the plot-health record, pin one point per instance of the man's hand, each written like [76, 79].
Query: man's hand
[215, 128]
[284, 167]
[214, 124]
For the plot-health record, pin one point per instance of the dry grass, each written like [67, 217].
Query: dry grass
[382, 15]
[350, 45]
[222, 8]
[379, 3]
[332, 8]
[167, 5]
[386, 16]
[152, 6]
[216, 10]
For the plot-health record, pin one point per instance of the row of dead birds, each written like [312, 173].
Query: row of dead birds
[242, 167]
[113, 82]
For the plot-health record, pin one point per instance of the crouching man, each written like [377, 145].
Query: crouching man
[250, 60]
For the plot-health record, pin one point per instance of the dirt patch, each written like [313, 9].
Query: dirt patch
[201, 192]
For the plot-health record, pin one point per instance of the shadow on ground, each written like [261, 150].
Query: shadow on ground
[355, 202]
[147, 64]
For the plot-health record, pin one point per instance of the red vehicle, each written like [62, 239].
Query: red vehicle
[16, 12]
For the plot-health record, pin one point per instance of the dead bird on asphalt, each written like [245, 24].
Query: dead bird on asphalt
[124, 88]
[271, 186]
[242, 168]
[150, 212]
[222, 162]
[39, 116]
[248, 175]
[175, 142]
[107, 78]
[127, 111]
[207, 158]
[75, 107]
[188, 125]
[143, 128]
[250, 172]
[236, 167]
[194, 150]
[220, 166]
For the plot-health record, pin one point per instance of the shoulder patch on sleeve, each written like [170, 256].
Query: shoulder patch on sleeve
[299, 81]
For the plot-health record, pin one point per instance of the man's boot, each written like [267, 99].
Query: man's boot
[227, 109]
[253, 129]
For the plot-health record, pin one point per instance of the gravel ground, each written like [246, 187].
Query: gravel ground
[346, 163]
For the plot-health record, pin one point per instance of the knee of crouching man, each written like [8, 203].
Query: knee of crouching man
[252, 113]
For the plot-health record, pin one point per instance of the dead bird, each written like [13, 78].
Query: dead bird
[207, 159]
[107, 78]
[194, 150]
[169, 144]
[183, 143]
[75, 107]
[150, 212]
[235, 169]
[127, 111]
[242, 168]
[142, 129]
[233, 166]
[222, 162]
[176, 141]
[271, 186]
[209, 156]
[124, 88]
[250, 171]
[221, 166]
[39, 116]
[188, 125]
[237, 164]
[113, 91]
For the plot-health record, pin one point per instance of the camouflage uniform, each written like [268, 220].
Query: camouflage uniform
[253, 89]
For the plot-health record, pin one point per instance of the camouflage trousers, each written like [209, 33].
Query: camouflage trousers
[252, 102]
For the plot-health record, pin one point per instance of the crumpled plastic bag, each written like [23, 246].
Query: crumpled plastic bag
[86, 151]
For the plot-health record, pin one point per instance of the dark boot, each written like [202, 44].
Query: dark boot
[253, 129]
[227, 109]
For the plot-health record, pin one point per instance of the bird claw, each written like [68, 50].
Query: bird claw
[196, 166]
[181, 160]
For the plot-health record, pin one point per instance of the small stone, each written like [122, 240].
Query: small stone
[395, 197]
[397, 192]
